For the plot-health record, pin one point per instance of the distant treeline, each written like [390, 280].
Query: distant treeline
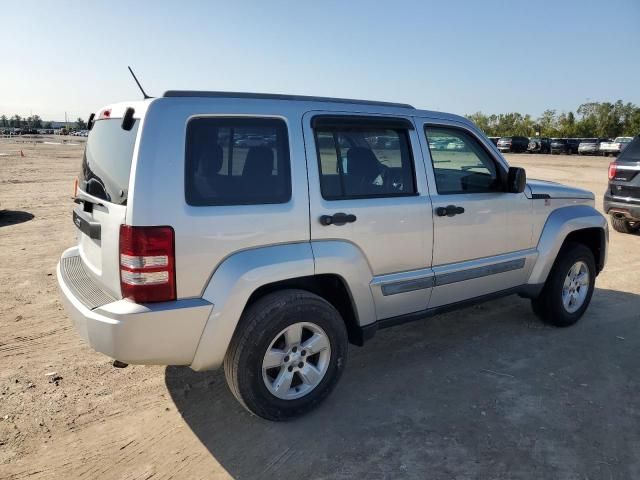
[16, 121]
[593, 119]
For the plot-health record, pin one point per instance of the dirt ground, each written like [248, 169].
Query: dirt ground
[487, 392]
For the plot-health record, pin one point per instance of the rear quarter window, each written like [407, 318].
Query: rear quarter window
[237, 161]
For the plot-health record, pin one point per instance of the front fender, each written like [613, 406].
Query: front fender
[560, 223]
[232, 284]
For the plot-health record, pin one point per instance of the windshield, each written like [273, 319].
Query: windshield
[623, 139]
[107, 161]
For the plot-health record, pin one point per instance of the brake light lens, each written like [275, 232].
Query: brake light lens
[147, 264]
[612, 171]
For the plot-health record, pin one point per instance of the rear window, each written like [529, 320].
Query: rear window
[237, 161]
[631, 153]
[106, 164]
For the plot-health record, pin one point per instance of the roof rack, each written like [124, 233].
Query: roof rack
[278, 96]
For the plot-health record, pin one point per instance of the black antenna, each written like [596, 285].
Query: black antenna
[144, 94]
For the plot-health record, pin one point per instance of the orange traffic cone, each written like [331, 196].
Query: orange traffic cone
[21, 153]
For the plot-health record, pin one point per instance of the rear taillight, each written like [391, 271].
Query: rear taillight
[612, 171]
[147, 264]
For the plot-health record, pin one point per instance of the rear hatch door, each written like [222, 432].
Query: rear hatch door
[103, 187]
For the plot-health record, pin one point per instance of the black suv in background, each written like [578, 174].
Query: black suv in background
[561, 146]
[513, 144]
[574, 143]
[622, 198]
[539, 145]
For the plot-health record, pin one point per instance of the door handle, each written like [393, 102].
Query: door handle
[337, 219]
[449, 211]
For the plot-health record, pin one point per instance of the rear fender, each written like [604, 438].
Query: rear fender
[231, 286]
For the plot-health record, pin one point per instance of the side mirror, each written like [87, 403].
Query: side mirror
[516, 180]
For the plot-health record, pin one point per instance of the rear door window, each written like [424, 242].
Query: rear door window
[237, 161]
[363, 160]
[106, 164]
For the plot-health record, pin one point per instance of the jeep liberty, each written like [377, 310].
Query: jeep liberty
[264, 233]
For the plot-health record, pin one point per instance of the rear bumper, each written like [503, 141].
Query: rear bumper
[152, 334]
[613, 206]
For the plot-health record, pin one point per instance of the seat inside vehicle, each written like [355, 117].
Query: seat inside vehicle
[364, 168]
[257, 172]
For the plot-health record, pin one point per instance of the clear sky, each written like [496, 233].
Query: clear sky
[456, 56]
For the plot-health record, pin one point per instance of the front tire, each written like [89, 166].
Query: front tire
[569, 287]
[623, 225]
[287, 354]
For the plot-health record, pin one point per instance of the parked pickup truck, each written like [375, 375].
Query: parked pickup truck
[268, 257]
[615, 147]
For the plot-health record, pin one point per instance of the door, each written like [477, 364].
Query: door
[482, 234]
[367, 190]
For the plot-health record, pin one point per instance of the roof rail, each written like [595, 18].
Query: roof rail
[278, 96]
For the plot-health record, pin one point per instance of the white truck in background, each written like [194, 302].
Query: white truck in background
[615, 147]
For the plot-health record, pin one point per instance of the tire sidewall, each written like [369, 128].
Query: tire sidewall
[251, 385]
[571, 256]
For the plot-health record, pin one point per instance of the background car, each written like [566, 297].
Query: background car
[573, 143]
[494, 140]
[622, 197]
[590, 146]
[513, 144]
[560, 146]
[539, 145]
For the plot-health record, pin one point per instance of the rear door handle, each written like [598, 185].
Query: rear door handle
[89, 228]
[337, 219]
[449, 211]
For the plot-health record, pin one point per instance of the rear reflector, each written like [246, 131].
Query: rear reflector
[612, 171]
[147, 264]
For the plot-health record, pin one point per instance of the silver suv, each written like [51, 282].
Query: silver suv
[266, 232]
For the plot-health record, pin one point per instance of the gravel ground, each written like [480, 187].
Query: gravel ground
[486, 392]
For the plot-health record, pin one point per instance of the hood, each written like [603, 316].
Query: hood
[557, 190]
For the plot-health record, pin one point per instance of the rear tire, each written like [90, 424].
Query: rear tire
[569, 287]
[284, 329]
[623, 225]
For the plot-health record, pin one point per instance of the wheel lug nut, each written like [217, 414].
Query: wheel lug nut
[294, 349]
[300, 365]
[290, 368]
[286, 359]
[304, 352]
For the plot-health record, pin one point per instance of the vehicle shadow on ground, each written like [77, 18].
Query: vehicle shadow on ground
[486, 392]
[13, 217]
